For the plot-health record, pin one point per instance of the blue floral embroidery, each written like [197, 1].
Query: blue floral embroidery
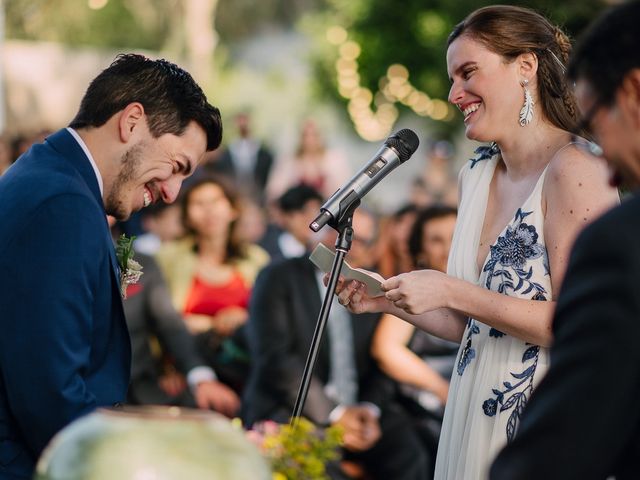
[484, 152]
[495, 333]
[512, 396]
[468, 353]
[518, 245]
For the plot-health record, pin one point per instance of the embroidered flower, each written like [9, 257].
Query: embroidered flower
[510, 254]
[494, 332]
[130, 270]
[490, 407]
[518, 245]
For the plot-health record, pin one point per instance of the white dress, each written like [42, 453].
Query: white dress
[495, 373]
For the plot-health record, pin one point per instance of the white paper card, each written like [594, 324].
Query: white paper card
[322, 257]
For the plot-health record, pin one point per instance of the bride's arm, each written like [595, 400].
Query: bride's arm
[575, 193]
[427, 297]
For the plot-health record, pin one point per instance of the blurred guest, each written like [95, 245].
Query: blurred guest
[246, 161]
[346, 387]
[154, 322]
[252, 222]
[439, 175]
[6, 155]
[210, 273]
[23, 142]
[420, 362]
[297, 207]
[312, 164]
[393, 245]
[161, 223]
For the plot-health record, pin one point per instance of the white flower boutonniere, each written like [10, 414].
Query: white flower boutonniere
[130, 270]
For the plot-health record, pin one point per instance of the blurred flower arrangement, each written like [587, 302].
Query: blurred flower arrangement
[298, 452]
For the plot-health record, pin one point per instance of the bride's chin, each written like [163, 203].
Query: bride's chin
[471, 134]
[476, 136]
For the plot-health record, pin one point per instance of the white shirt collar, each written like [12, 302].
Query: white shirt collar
[86, 151]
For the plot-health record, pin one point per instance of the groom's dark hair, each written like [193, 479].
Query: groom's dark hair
[608, 50]
[169, 95]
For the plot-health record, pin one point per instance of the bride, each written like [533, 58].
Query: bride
[523, 200]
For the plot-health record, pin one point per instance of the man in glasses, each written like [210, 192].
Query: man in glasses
[583, 421]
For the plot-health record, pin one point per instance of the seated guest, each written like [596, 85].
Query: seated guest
[153, 321]
[393, 245]
[161, 223]
[421, 362]
[294, 209]
[346, 387]
[210, 273]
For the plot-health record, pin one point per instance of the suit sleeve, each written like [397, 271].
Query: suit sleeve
[167, 323]
[580, 419]
[50, 269]
[272, 336]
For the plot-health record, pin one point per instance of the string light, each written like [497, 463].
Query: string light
[394, 87]
[97, 4]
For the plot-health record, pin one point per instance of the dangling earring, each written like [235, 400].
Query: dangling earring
[526, 113]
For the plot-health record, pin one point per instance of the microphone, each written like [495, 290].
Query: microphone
[396, 150]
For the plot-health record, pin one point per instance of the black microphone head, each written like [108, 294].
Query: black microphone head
[405, 142]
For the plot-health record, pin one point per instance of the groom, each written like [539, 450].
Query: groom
[140, 131]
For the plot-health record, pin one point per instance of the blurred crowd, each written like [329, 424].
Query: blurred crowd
[224, 314]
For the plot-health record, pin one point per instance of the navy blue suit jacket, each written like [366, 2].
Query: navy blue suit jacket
[64, 345]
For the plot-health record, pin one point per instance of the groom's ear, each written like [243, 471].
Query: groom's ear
[131, 121]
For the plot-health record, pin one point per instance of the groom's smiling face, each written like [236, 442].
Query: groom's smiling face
[152, 170]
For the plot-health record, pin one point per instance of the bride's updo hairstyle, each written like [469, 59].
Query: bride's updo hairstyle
[510, 31]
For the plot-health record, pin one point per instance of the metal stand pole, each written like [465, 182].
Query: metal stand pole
[343, 245]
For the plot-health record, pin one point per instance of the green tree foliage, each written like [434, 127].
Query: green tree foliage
[118, 24]
[148, 24]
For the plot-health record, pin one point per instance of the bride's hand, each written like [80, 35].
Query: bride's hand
[353, 295]
[418, 291]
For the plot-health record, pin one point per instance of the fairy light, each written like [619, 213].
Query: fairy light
[394, 87]
[97, 4]
[336, 35]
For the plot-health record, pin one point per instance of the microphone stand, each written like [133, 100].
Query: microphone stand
[343, 226]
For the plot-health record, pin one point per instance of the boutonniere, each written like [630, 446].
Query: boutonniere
[130, 270]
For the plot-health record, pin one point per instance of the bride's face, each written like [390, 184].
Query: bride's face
[485, 88]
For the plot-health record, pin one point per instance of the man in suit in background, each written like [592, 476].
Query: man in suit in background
[290, 236]
[151, 316]
[346, 387]
[583, 421]
[245, 161]
[141, 128]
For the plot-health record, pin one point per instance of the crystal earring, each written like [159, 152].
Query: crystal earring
[526, 113]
